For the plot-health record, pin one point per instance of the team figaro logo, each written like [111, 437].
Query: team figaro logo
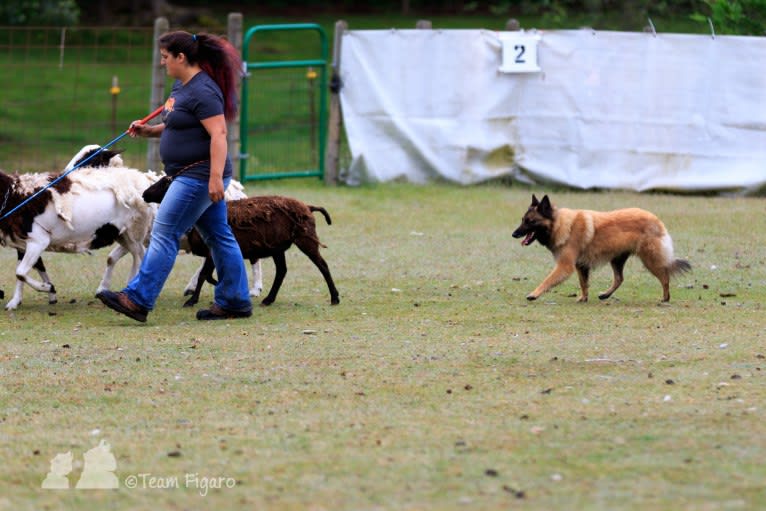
[97, 473]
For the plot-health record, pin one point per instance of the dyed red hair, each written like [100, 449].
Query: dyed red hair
[215, 56]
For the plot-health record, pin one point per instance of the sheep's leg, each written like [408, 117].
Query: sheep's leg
[194, 281]
[254, 291]
[192, 284]
[255, 265]
[311, 249]
[34, 248]
[205, 274]
[136, 249]
[279, 276]
[18, 294]
[115, 255]
[40, 267]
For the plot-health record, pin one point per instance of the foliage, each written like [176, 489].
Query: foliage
[39, 12]
[745, 17]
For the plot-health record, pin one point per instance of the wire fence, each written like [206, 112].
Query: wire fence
[66, 87]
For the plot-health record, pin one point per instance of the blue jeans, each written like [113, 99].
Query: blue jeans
[187, 204]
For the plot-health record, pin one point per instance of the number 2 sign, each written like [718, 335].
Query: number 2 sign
[519, 52]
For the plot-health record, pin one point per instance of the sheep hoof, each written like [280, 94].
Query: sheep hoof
[190, 302]
[335, 301]
[266, 302]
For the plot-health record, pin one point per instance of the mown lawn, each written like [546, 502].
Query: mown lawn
[433, 385]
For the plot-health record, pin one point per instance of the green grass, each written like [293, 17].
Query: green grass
[433, 385]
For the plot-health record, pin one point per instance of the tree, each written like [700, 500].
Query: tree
[39, 12]
[743, 17]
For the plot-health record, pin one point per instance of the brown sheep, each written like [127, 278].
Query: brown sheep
[264, 227]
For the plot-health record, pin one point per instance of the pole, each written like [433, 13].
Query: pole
[332, 154]
[114, 91]
[234, 34]
[157, 94]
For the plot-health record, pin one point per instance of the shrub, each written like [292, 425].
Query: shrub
[39, 12]
[742, 17]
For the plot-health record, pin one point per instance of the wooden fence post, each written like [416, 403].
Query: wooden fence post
[336, 115]
[234, 34]
[153, 160]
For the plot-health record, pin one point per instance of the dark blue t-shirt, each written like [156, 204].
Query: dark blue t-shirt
[184, 141]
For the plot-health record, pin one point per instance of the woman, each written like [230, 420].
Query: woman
[193, 148]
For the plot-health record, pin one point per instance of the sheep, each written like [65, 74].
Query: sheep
[264, 226]
[267, 226]
[234, 191]
[85, 210]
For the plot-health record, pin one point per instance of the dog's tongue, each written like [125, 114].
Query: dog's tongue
[528, 239]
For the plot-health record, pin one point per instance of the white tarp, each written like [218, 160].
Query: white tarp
[607, 110]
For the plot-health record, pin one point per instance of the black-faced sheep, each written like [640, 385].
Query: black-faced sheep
[87, 209]
[264, 227]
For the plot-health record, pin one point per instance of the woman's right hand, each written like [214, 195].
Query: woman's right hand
[138, 129]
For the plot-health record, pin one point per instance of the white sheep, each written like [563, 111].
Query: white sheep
[89, 208]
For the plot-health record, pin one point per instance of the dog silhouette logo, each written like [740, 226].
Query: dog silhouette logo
[97, 473]
[61, 466]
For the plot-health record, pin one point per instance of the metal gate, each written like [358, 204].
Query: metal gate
[275, 136]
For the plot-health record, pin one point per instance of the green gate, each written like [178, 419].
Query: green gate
[283, 130]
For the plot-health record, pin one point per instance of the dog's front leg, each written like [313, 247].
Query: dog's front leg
[583, 272]
[564, 268]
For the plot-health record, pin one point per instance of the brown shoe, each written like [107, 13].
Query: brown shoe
[124, 305]
[217, 312]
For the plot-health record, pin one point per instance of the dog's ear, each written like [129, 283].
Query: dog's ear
[545, 208]
[535, 202]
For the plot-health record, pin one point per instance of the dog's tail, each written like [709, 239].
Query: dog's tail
[679, 266]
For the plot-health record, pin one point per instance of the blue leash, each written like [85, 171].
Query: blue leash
[62, 176]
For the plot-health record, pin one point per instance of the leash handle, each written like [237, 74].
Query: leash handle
[152, 115]
[149, 117]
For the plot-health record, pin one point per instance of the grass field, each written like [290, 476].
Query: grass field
[433, 385]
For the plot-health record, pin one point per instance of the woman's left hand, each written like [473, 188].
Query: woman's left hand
[215, 189]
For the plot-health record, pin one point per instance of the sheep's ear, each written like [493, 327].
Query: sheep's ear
[111, 153]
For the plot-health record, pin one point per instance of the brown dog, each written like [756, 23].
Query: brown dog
[581, 239]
